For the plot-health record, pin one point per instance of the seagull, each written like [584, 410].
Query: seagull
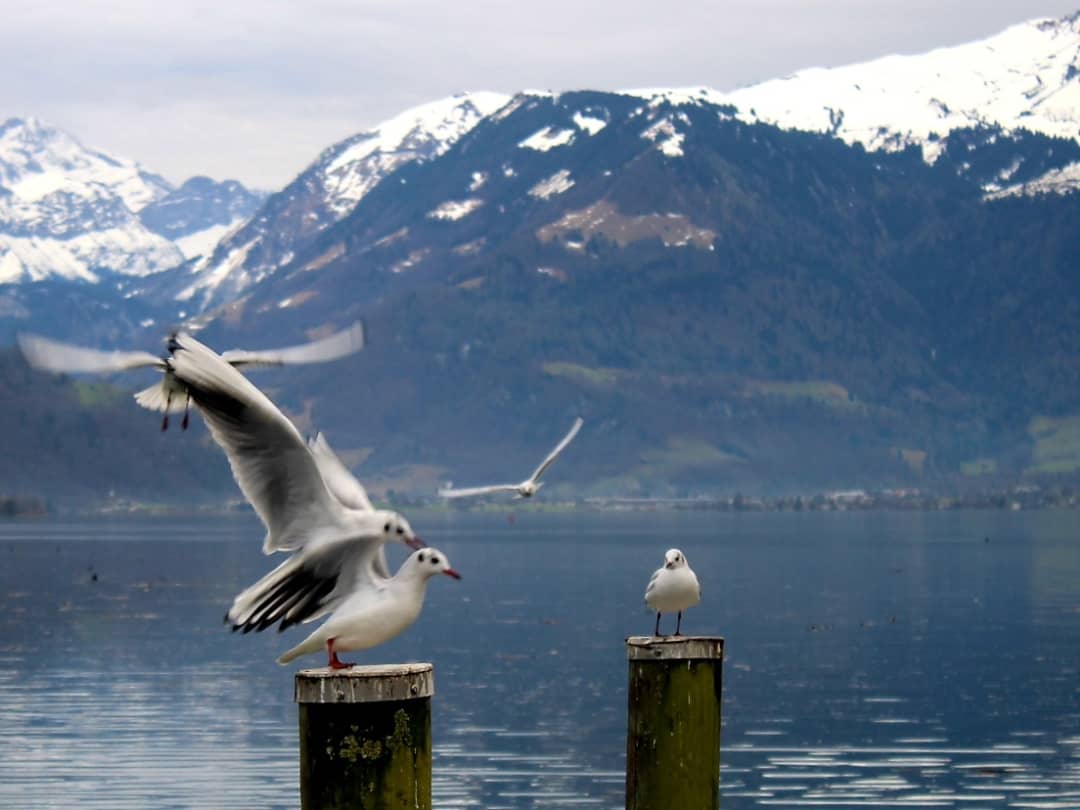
[169, 396]
[672, 588]
[377, 613]
[309, 502]
[528, 487]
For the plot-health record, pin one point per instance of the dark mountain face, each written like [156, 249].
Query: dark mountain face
[728, 305]
[79, 440]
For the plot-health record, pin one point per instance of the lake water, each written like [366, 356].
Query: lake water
[872, 659]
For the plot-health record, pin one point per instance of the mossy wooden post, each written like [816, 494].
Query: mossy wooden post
[673, 734]
[365, 737]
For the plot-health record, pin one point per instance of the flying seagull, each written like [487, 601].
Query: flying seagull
[307, 499]
[672, 588]
[168, 396]
[528, 487]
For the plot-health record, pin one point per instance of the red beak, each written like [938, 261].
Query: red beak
[415, 543]
[450, 572]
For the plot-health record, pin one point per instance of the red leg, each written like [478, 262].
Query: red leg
[334, 662]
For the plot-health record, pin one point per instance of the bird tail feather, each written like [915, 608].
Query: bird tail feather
[155, 398]
[308, 645]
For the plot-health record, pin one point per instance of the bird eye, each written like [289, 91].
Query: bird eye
[400, 530]
[386, 528]
[421, 557]
[434, 560]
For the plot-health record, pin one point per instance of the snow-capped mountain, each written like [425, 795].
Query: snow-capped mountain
[730, 298]
[328, 190]
[1025, 78]
[68, 212]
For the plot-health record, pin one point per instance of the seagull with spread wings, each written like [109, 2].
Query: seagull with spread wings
[311, 506]
[528, 487]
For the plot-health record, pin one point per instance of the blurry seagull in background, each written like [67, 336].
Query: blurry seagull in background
[672, 588]
[169, 396]
[528, 487]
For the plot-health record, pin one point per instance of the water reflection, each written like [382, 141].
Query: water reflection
[873, 660]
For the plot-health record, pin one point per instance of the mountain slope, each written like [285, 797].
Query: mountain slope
[326, 191]
[198, 214]
[78, 440]
[727, 303]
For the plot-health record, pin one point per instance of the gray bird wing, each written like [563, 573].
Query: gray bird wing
[340, 344]
[470, 491]
[269, 458]
[554, 454]
[342, 484]
[652, 582]
[46, 354]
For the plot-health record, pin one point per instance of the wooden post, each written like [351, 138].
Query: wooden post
[673, 730]
[365, 737]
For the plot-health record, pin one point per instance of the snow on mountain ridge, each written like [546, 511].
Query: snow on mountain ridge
[1023, 77]
[330, 188]
[37, 160]
[420, 132]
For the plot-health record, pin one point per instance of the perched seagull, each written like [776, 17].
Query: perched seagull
[309, 502]
[672, 588]
[528, 487]
[377, 613]
[169, 396]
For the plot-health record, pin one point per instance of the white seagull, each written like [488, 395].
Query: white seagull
[307, 499]
[672, 588]
[169, 396]
[375, 614]
[528, 487]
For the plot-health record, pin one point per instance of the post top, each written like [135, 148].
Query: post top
[674, 648]
[365, 684]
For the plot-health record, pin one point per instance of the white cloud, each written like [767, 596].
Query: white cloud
[255, 90]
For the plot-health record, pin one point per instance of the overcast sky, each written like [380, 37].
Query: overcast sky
[255, 89]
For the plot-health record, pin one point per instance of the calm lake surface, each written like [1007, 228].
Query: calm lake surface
[873, 659]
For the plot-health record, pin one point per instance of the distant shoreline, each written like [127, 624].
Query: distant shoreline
[1020, 498]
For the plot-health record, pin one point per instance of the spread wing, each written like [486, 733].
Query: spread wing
[269, 458]
[341, 483]
[338, 345]
[46, 354]
[308, 585]
[344, 486]
[554, 454]
[470, 491]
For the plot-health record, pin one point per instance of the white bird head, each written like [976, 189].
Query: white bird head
[427, 562]
[529, 488]
[396, 529]
[673, 558]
